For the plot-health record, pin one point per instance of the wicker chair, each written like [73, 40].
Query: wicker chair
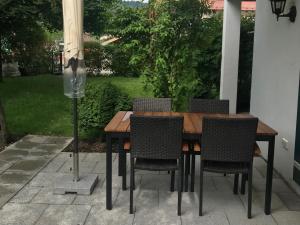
[141, 105]
[152, 105]
[203, 106]
[232, 153]
[156, 145]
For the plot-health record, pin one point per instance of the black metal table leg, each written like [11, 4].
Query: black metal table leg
[268, 196]
[108, 172]
[193, 173]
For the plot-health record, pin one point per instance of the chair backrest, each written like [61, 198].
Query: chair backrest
[209, 106]
[156, 137]
[228, 139]
[152, 105]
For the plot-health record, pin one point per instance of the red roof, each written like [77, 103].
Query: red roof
[246, 5]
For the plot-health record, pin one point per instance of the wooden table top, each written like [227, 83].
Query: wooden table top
[120, 123]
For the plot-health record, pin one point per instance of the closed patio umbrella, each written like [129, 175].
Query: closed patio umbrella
[74, 83]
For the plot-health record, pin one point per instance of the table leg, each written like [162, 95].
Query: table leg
[268, 196]
[108, 172]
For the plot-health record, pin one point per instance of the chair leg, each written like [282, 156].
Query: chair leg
[182, 171]
[236, 183]
[250, 192]
[180, 184]
[187, 171]
[193, 173]
[131, 184]
[201, 190]
[172, 180]
[124, 172]
[243, 185]
[120, 157]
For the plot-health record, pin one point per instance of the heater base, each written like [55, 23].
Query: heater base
[85, 185]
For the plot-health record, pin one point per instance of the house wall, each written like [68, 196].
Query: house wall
[275, 80]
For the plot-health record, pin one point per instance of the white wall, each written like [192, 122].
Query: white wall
[275, 79]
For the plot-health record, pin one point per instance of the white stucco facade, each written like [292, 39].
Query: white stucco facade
[275, 80]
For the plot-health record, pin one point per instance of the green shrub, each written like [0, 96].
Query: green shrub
[99, 105]
[93, 55]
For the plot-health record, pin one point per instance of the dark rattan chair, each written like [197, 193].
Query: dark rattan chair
[141, 105]
[203, 106]
[156, 145]
[152, 105]
[232, 153]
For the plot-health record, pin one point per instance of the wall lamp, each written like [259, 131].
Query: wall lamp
[278, 7]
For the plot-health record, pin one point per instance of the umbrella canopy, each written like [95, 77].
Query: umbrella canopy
[74, 72]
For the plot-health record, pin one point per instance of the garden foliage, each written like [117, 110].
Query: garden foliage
[100, 104]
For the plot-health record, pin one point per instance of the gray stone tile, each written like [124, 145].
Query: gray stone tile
[118, 215]
[208, 183]
[6, 192]
[19, 214]
[151, 182]
[4, 165]
[291, 200]
[287, 217]
[12, 155]
[214, 218]
[156, 217]
[95, 157]
[45, 179]
[25, 195]
[46, 196]
[258, 203]
[98, 197]
[14, 178]
[239, 217]
[278, 185]
[53, 166]
[218, 201]
[64, 215]
[224, 184]
[28, 165]
[84, 167]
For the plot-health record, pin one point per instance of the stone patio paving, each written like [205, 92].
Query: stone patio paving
[31, 201]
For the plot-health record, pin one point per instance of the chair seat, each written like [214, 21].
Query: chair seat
[225, 167]
[156, 164]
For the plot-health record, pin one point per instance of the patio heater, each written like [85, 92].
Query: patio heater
[74, 84]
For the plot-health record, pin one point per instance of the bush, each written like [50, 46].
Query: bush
[119, 61]
[93, 54]
[99, 105]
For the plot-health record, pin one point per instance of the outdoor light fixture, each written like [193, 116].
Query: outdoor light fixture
[278, 7]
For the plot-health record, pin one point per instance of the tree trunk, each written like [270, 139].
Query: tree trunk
[3, 134]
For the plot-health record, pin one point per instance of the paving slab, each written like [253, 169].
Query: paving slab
[192, 217]
[4, 165]
[46, 196]
[64, 215]
[156, 217]
[291, 200]
[21, 214]
[287, 217]
[29, 164]
[6, 192]
[117, 216]
[239, 217]
[14, 178]
[25, 195]
[258, 203]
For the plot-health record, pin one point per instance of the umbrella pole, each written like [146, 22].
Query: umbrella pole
[75, 149]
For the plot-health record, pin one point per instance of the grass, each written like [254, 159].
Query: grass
[36, 104]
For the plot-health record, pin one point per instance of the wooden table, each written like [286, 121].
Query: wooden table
[119, 128]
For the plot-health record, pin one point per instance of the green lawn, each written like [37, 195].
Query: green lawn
[36, 104]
